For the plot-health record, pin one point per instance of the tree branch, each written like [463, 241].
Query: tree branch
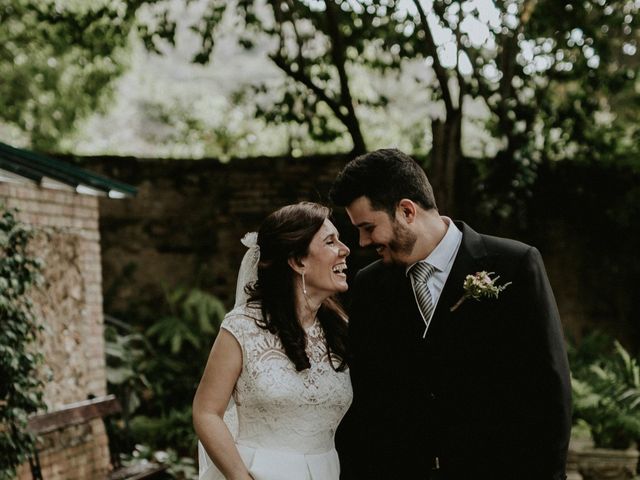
[277, 14]
[508, 63]
[461, 81]
[342, 107]
[339, 61]
[299, 41]
[432, 51]
[483, 90]
[299, 76]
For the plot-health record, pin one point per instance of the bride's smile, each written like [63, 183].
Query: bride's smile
[326, 264]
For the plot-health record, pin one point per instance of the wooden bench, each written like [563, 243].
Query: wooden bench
[80, 413]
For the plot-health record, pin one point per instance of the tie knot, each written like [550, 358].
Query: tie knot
[422, 271]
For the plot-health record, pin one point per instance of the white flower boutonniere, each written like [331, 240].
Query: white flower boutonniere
[480, 285]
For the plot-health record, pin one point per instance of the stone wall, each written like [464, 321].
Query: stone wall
[69, 303]
[184, 229]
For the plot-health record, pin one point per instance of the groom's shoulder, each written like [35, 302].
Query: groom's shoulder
[505, 244]
[499, 246]
[373, 271]
[505, 247]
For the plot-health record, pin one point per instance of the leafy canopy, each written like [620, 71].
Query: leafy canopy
[57, 61]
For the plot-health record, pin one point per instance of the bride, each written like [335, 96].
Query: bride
[281, 354]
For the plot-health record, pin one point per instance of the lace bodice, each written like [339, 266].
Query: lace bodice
[278, 407]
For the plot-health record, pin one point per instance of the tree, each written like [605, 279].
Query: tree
[552, 76]
[317, 45]
[574, 60]
[520, 57]
[57, 62]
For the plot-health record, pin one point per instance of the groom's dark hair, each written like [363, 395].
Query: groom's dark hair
[385, 177]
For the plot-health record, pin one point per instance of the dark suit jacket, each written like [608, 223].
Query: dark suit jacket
[487, 391]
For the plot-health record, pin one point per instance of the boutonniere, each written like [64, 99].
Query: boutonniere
[480, 285]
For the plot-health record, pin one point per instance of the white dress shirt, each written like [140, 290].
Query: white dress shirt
[441, 258]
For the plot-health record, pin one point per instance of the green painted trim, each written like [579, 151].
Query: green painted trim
[35, 166]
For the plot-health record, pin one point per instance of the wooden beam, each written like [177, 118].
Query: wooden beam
[74, 414]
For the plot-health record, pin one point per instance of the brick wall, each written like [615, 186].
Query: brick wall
[70, 306]
[185, 225]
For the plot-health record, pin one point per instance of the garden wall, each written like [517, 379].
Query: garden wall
[185, 224]
[184, 229]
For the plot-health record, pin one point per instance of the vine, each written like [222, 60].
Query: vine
[21, 392]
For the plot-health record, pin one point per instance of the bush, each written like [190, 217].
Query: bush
[606, 396]
[155, 371]
[20, 388]
[174, 430]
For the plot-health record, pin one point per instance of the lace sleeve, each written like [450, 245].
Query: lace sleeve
[240, 322]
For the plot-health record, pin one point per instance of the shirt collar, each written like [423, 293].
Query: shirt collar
[443, 255]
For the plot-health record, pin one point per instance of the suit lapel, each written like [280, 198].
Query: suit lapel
[471, 257]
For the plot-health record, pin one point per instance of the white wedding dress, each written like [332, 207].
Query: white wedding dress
[286, 420]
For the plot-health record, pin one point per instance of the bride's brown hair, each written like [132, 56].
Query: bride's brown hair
[285, 234]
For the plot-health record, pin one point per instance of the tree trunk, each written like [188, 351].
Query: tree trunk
[353, 125]
[338, 55]
[445, 157]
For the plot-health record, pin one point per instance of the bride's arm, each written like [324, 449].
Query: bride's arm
[209, 404]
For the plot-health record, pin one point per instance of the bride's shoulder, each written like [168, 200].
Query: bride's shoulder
[242, 318]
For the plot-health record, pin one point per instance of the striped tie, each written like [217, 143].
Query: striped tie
[421, 272]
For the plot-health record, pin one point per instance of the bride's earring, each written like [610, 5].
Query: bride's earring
[304, 285]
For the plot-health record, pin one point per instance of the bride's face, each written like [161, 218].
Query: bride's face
[326, 263]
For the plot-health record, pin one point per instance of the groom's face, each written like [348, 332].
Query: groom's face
[390, 236]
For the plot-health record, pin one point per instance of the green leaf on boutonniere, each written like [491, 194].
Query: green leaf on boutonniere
[478, 286]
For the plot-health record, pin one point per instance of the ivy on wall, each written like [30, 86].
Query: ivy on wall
[20, 388]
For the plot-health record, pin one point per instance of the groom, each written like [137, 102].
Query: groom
[447, 386]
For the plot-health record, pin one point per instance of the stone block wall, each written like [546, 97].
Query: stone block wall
[69, 303]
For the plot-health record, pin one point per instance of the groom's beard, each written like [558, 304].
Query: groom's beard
[401, 244]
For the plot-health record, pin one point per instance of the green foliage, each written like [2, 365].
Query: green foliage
[57, 61]
[557, 78]
[193, 313]
[181, 342]
[156, 371]
[20, 389]
[589, 351]
[560, 97]
[316, 45]
[606, 396]
[175, 430]
[127, 361]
